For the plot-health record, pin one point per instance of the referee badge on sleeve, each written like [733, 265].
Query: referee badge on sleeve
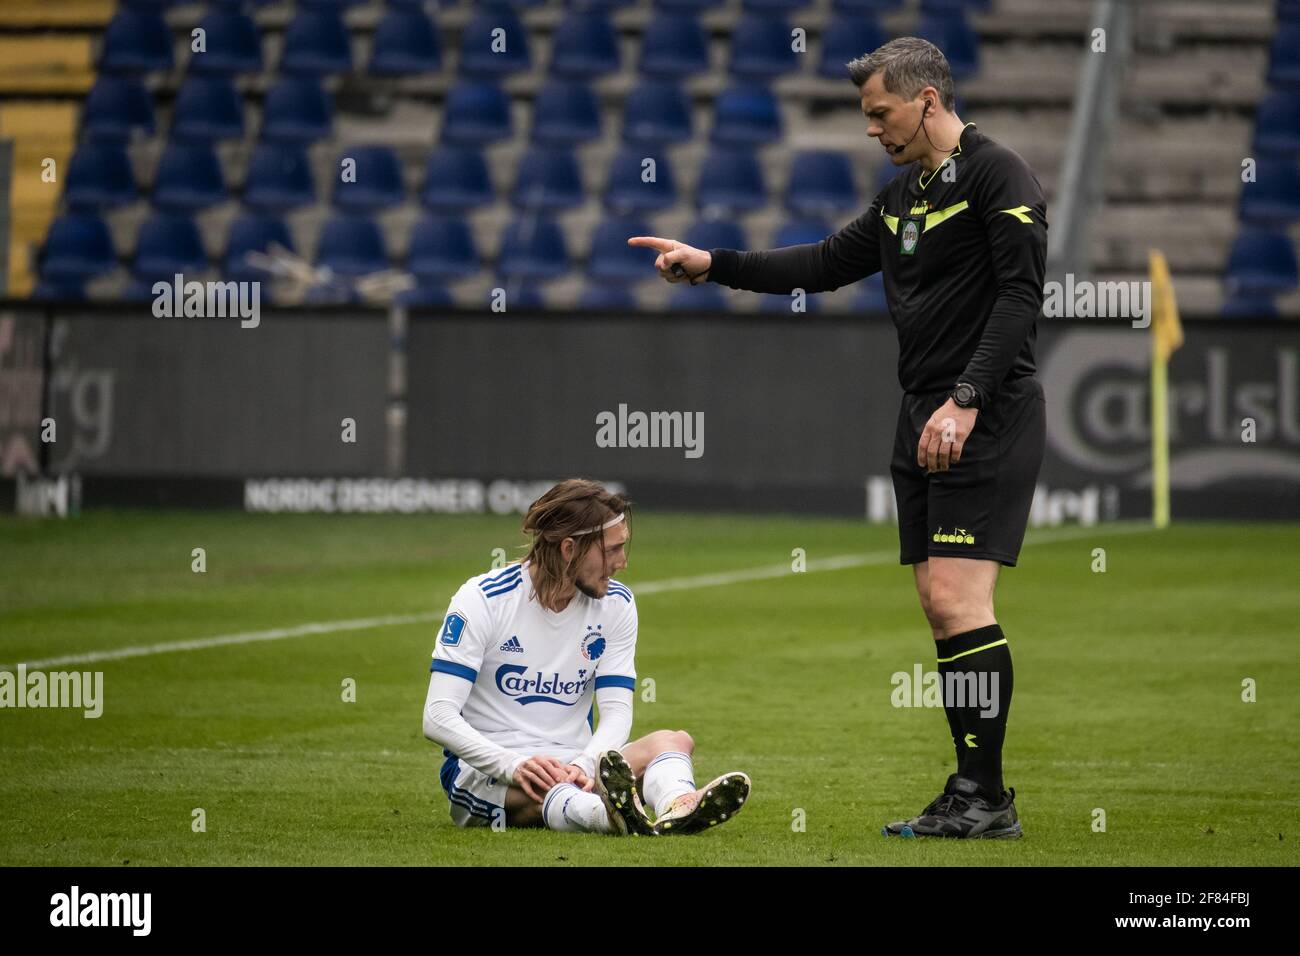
[909, 233]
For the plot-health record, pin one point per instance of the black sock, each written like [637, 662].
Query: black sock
[980, 664]
[952, 713]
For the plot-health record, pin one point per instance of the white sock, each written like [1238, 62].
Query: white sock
[569, 808]
[667, 777]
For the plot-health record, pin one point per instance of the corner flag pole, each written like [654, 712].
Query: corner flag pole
[1166, 336]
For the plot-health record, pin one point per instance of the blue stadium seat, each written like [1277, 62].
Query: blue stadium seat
[329, 4]
[885, 173]
[297, 110]
[477, 57]
[547, 178]
[674, 48]
[532, 247]
[682, 6]
[316, 42]
[188, 178]
[773, 6]
[705, 297]
[1284, 57]
[864, 6]
[442, 247]
[784, 304]
[456, 179]
[1277, 125]
[253, 232]
[760, 47]
[1274, 197]
[136, 41]
[584, 46]
[607, 296]
[626, 193]
[426, 295]
[746, 115]
[870, 296]
[406, 43]
[821, 184]
[378, 183]
[948, 7]
[168, 243]
[520, 293]
[99, 174]
[847, 37]
[279, 177]
[715, 234]
[656, 112]
[798, 232]
[952, 34]
[59, 290]
[116, 107]
[475, 114]
[77, 247]
[565, 114]
[352, 245]
[731, 181]
[1261, 262]
[207, 108]
[1249, 307]
[612, 258]
[232, 44]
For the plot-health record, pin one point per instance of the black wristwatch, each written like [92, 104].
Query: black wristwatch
[966, 395]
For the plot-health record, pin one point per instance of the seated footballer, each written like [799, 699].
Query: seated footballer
[521, 655]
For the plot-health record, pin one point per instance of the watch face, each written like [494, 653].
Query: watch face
[963, 395]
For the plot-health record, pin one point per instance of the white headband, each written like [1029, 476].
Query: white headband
[608, 524]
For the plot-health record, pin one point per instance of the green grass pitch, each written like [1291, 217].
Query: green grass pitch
[1128, 693]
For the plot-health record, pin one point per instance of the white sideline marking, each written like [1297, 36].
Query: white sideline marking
[837, 563]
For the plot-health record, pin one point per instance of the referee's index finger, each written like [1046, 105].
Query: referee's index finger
[654, 242]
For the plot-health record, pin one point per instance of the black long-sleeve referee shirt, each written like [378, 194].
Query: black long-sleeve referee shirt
[962, 252]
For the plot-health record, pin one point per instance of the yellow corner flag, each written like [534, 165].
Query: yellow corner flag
[1166, 336]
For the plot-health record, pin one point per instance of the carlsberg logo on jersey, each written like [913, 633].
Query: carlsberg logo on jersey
[513, 681]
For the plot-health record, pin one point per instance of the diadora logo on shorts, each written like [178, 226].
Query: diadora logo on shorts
[593, 645]
[512, 645]
[955, 536]
[514, 681]
[452, 629]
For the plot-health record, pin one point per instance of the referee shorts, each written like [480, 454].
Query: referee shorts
[979, 507]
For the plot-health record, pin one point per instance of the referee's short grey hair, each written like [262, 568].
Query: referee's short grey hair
[909, 65]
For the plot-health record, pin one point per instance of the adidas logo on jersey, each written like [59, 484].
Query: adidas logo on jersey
[512, 645]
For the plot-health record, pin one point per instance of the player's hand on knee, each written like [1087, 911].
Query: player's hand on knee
[693, 264]
[576, 776]
[537, 775]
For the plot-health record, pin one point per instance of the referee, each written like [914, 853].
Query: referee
[960, 235]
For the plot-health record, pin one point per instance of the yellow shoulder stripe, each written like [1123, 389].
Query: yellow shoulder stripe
[943, 215]
[1019, 213]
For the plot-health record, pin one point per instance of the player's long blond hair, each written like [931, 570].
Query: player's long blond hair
[571, 507]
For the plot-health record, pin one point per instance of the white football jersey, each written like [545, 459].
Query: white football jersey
[535, 672]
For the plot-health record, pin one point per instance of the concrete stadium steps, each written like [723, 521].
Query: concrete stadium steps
[60, 14]
[40, 129]
[37, 64]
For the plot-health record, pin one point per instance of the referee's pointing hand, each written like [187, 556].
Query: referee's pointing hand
[695, 263]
